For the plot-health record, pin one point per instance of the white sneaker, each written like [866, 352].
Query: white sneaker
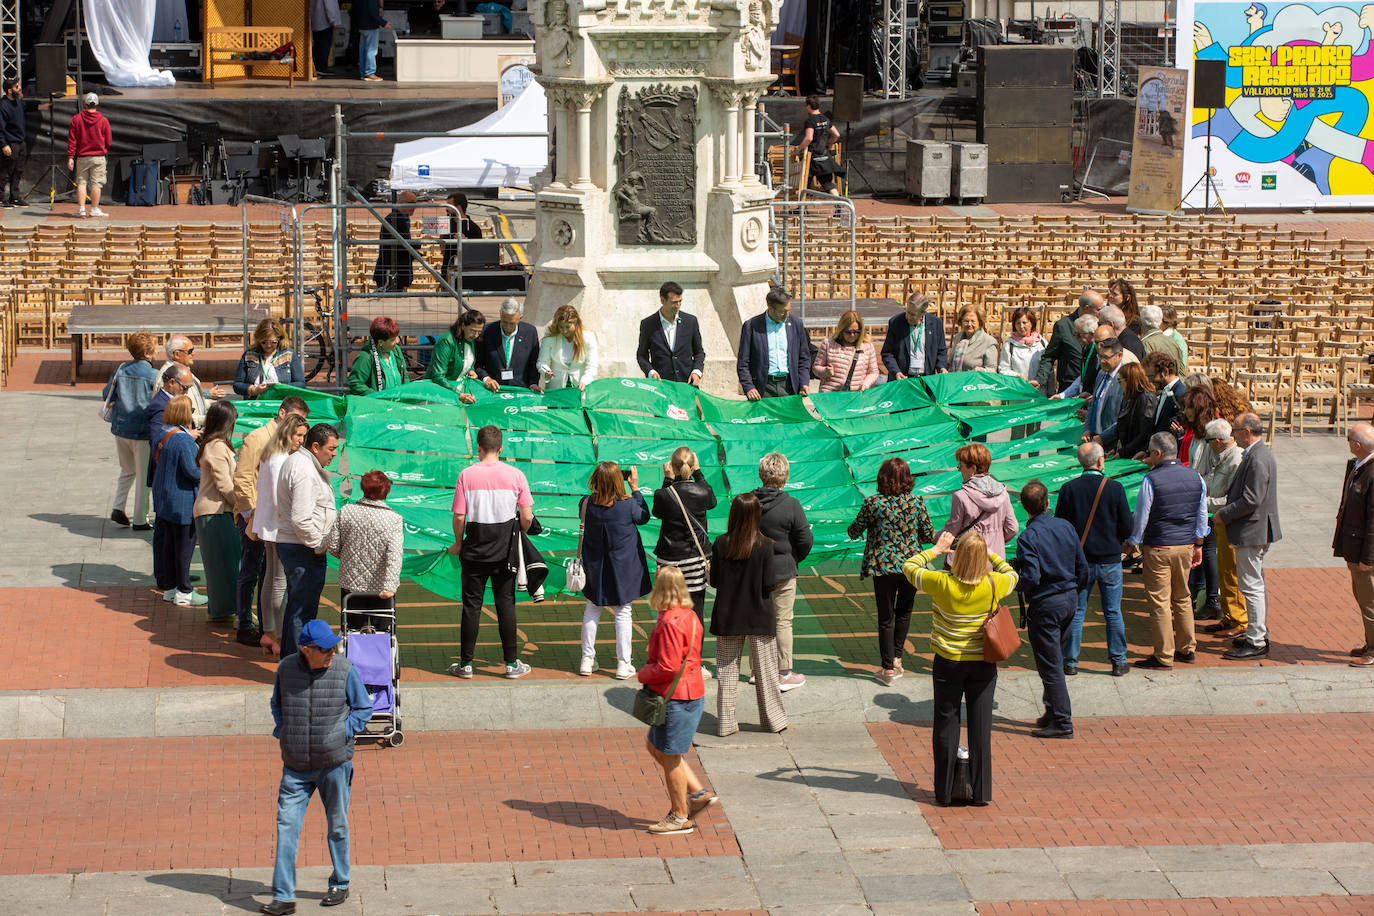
[97, 212]
[624, 670]
[791, 681]
[190, 599]
[81, 212]
[169, 595]
[588, 666]
[519, 669]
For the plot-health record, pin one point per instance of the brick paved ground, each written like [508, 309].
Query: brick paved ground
[101, 805]
[1165, 780]
[130, 637]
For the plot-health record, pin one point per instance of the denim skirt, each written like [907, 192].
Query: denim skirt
[675, 735]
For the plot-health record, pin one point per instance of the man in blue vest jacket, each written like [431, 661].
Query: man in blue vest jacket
[774, 353]
[318, 704]
[1171, 524]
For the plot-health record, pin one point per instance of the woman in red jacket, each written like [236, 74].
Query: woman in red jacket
[676, 637]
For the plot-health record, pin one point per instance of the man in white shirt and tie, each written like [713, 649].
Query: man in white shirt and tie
[670, 341]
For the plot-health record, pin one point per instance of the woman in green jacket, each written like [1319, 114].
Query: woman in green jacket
[380, 364]
[455, 354]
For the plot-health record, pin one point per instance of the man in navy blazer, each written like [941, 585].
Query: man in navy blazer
[915, 324]
[508, 350]
[681, 359]
[774, 354]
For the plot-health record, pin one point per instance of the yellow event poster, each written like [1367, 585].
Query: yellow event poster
[1296, 129]
[1161, 111]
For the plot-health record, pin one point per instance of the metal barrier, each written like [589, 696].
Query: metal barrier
[786, 211]
[286, 218]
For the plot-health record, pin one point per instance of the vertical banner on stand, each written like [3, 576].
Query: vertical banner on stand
[1161, 111]
[1295, 130]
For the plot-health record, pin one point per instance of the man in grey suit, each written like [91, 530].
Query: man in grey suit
[1251, 517]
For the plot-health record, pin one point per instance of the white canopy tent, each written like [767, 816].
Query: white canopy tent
[480, 161]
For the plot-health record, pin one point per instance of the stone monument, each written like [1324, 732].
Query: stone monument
[652, 174]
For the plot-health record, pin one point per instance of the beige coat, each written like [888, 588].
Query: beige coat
[246, 473]
[216, 493]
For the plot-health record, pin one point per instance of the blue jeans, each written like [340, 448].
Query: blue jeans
[1048, 621]
[367, 51]
[1108, 579]
[334, 785]
[304, 582]
[251, 556]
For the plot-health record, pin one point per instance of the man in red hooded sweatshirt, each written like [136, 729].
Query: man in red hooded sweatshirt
[88, 140]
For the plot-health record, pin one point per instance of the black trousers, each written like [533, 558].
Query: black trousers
[894, 596]
[777, 386]
[1047, 620]
[475, 579]
[321, 41]
[11, 170]
[178, 542]
[699, 604]
[975, 682]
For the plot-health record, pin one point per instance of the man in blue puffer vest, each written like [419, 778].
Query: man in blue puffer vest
[319, 703]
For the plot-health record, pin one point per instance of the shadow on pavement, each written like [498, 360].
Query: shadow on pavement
[578, 814]
[832, 778]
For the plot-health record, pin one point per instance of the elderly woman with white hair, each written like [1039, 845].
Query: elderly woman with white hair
[1154, 338]
[508, 350]
[784, 522]
[181, 352]
[1085, 329]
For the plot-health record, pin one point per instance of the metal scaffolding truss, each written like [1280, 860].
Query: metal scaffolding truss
[894, 49]
[1108, 49]
[10, 65]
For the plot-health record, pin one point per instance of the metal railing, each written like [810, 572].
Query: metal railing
[784, 210]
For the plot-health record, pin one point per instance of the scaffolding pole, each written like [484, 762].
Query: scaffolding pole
[11, 65]
[894, 49]
[1108, 49]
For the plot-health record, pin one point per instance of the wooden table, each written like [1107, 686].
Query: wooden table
[159, 318]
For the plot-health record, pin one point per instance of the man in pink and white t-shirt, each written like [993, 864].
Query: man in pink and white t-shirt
[487, 500]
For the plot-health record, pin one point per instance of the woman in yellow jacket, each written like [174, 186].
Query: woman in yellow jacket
[963, 598]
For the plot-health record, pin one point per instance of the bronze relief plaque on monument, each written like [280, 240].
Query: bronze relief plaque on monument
[655, 194]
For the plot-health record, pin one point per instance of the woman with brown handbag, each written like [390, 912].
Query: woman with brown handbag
[963, 599]
[682, 503]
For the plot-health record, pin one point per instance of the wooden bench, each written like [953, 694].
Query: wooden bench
[225, 41]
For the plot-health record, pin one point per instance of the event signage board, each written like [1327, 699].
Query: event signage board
[1161, 111]
[1295, 131]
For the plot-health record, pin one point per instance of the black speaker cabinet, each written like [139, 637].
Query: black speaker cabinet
[1049, 106]
[1025, 66]
[1209, 83]
[1038, 182]
[1027, 144]
[50, 69]
[849, 97]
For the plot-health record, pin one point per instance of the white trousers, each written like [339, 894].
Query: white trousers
[133, 470]
[1250, 582]
[624, 625]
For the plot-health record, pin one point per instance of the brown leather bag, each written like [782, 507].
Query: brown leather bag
[1000, 638]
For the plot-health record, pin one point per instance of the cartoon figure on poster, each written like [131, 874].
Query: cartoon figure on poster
[1299, 79]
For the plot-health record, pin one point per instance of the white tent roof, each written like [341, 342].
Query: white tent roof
[480, 162]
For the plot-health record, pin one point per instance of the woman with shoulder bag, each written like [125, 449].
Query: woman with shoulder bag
[742, 573]
[962, 599]
[126, 398]
[845, 360]
[613, 558]
[682, 503]
[675, 665]
[289, 437]
[214, 511]
[982, 503]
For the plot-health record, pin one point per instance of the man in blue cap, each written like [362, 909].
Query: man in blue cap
[318, 703]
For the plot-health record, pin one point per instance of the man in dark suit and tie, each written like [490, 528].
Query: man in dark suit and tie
[774, 354]
[1354, 540]
[915, 342]
[508, 350]
[670, 341]
[1251, 517]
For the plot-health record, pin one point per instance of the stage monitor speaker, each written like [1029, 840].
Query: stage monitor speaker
[849, 97]
[1209, 83]
[1026, 66]
[50, 69]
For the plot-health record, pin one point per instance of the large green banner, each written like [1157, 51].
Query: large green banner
[422, 436]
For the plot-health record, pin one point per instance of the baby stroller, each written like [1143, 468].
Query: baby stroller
[369, 637]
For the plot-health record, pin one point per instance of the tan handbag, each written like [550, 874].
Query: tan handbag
[1000, 638]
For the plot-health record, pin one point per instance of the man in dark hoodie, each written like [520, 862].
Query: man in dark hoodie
[13, 143]
[784, 521]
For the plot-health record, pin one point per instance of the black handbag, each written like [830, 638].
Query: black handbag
[962, 790]
[925, 531]
[652, 709]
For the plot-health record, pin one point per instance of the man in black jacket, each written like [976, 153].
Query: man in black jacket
[395, 270]
[1096, 504]
[1129, 339]
[915, 341]
[670, 341]
[1062, 360]
[14, 143]
[784, 521]
[1053, 571]
[508, 350]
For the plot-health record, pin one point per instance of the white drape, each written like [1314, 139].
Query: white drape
[121, 34]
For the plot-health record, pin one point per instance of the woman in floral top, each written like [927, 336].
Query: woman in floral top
[889, 517]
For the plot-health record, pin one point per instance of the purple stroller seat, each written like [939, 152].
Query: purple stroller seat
[370, 654]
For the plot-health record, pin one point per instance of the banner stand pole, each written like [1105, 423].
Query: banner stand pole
[1209, 186]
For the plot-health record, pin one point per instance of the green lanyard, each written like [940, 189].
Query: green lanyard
[507, 343]
[917, 334]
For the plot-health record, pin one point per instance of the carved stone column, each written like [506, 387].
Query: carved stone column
[558, 98]
[584, 97]
[729, 95]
